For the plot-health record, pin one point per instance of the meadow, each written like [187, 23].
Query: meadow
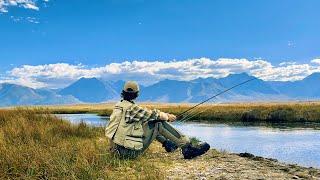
[236, 112]
[36, 145]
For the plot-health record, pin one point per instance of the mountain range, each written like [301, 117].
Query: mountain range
[93, 90]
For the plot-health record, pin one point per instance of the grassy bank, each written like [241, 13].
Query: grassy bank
[34, 144]
[239, 112]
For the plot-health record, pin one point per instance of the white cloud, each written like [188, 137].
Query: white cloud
[291, 44]
[316, 61]
[32, 20]
[145, 72]
[26, 4]
[287, 63]
[25, 19]
[31, 6]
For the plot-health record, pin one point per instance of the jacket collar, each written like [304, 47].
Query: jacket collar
[128, 101]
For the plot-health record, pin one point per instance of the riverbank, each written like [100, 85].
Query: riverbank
[292, 112]
[223, 165]
[43, 146]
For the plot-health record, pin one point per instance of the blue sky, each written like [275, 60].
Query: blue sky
[98, 33]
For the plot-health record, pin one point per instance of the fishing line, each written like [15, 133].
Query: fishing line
[222, 92]
[195, 114]
[191, 116]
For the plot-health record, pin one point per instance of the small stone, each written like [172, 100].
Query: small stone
[295, 177]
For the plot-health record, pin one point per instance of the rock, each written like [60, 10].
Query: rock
[247, 155]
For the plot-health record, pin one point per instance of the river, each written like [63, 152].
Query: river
[291, 145]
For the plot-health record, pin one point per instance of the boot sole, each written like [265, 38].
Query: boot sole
[206, 149]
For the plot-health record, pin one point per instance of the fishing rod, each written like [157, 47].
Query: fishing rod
[218, 94]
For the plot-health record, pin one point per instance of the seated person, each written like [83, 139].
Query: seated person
[132, 128]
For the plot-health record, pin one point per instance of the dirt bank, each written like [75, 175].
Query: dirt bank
[222, 165]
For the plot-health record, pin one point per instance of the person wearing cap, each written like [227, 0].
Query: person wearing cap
[132, 128]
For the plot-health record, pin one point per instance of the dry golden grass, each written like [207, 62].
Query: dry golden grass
[239, 112]
[36, 145]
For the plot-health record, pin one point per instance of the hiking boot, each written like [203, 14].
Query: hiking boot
[190, 151]
[169, 146]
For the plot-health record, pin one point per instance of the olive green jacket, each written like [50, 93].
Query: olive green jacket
[125, 127]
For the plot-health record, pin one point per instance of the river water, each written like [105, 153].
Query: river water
[291, 145]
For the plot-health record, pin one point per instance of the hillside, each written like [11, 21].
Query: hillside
[14, 95]
[89, 90]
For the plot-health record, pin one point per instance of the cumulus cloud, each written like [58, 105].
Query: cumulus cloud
[26, 4]
[316, 61]
[146, 72]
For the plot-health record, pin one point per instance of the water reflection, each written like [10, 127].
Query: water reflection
[278, 125]
[291, 144]
[300, 146]
[90, 119]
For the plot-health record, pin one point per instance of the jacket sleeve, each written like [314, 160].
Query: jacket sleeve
[137, 113]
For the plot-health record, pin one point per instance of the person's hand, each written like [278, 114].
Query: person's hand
[164, 116]
[171, 117]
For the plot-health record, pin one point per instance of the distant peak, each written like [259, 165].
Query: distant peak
[84, 78]
[244, 74]
[315, 76]
[172, 81]
[201, 79]
[120, 81]
[167, 80]
[11, 84]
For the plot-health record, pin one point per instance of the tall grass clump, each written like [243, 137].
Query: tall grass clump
[36, 145]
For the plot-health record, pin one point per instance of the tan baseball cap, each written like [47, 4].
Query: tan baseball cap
[131, 86]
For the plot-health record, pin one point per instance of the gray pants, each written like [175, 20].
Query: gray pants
[159, 130]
